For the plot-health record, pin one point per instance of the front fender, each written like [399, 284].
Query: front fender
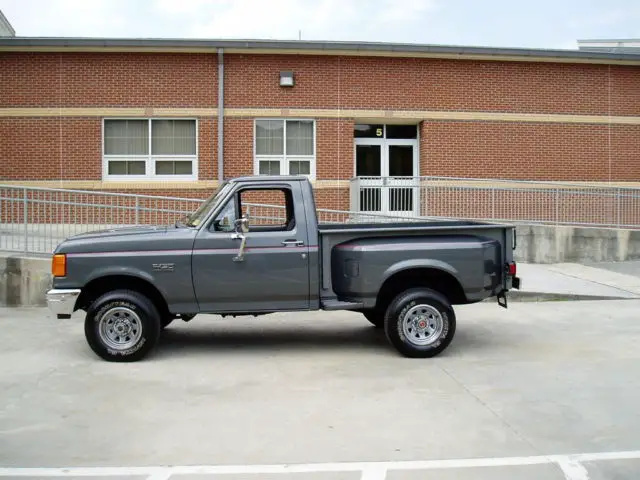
[107, 271]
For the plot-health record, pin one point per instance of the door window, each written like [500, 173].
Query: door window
[268, 210]
[368, 161]
[401, 160]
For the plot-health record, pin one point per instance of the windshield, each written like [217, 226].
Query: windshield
[209, 204]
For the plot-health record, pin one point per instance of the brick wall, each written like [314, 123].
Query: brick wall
[533, 151]
[334, 149]
[108, 80]
[50, 148]
[428, 84]
[238, 147]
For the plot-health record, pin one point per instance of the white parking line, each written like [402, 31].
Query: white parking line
[569, 463]
[572, 469]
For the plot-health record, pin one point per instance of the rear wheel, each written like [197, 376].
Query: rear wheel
[420, 323]
[122, 326]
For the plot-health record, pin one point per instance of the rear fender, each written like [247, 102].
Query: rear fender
[418, 263]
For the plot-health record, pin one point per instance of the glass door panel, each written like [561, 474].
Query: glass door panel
[369, 166]
[402, 163]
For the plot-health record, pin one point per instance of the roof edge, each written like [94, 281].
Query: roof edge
[4, 21]
[294, 46]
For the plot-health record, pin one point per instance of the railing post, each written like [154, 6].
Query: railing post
[137, 210]
[557, 206]
[493, 202]
[618, 213]
[25, 214]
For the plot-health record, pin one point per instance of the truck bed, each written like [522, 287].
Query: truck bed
[408, 226]
[390, 235]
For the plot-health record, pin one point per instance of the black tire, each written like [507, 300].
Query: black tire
[133, 304]
[166, 320]
[375, 316]
[432, 302]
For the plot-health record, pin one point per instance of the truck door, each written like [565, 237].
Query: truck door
[271, 272]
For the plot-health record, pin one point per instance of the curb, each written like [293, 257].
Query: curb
[516, 296]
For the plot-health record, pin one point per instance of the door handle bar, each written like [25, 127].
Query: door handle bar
[295, 243]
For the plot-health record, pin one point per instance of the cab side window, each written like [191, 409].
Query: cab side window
[268, 210]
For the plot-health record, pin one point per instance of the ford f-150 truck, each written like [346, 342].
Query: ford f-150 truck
[403, 277]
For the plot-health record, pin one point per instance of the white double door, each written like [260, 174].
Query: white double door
[387, 175]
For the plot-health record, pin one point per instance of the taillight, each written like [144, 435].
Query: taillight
[59, 265]
[512, 269]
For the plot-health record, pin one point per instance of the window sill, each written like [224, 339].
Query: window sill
[117, 185]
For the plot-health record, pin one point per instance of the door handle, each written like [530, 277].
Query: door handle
[295, 243]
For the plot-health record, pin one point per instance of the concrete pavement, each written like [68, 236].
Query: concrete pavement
[572, 281]
[537, 379]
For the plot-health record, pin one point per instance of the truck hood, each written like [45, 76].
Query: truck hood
[119, 232]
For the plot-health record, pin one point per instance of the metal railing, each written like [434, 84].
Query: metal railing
[269, 214]
[499, 200]
[35, 220]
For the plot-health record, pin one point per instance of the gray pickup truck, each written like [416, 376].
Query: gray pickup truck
[225, 259]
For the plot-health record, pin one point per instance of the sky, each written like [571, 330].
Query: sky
[495, 23]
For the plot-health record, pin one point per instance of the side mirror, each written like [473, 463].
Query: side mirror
[242, 227]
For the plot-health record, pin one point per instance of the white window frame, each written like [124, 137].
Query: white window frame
[150, 159]
[284, 159]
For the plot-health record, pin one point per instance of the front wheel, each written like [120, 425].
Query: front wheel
[420, 323]
[122, 326]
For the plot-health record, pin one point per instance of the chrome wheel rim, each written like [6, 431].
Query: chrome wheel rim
[120, 328]
[422, 325]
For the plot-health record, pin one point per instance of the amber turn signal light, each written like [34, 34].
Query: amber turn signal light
[59, 265]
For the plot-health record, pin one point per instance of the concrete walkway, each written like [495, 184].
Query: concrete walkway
[572, 281]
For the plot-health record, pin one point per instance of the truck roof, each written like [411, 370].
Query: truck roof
[271, 178]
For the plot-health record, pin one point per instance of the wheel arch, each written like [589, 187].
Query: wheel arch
[105, 283]
[436, 276]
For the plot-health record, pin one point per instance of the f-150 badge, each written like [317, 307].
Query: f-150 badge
[163, 267]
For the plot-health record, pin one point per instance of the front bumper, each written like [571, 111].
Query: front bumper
[62, 301]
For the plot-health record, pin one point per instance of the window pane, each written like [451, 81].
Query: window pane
[402, 131]
[269, 137]
[269, 167]
[299, 137]
[124, 167]
[300, 168]
[368, 160]
[135, 168]
[169, 167]
[368, 131]
[401, 161]
[173, 137]
[225, 220]
[183, 168]
[126, 137]
[117, 168]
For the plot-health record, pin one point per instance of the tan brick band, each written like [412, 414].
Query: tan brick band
[317, 184]
[382, 115]
[100, 185]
